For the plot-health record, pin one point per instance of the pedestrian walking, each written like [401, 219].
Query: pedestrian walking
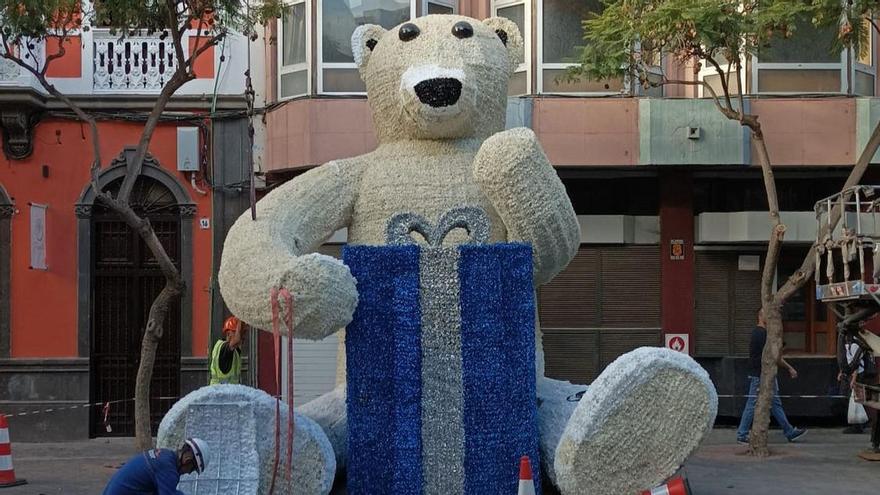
[756, 350]
[857, 417]
[157, 471]
[226, 354]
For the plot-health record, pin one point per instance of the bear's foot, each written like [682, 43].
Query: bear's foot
[636, 425]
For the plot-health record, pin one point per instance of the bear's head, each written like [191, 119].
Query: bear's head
[438, 76]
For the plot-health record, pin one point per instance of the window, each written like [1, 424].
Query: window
[710, 75]
[864, 68]
[293, 40]
[518, 11]
[802, 63]
[439, 7]
[561, 32]
[337, 72]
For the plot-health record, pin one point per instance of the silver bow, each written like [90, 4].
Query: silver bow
[473, 219]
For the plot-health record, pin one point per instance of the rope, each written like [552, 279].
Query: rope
[276, 331]
[78, 406]
[288, 298]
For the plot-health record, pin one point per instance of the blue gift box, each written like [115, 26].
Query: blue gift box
[440, 362]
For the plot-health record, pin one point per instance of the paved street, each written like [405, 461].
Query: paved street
[825, 463]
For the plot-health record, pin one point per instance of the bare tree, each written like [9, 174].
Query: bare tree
[25, 25]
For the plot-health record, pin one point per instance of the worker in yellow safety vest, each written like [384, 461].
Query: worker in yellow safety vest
[226, 354]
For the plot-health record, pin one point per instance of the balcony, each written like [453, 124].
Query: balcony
[131, 65]
[98, 63]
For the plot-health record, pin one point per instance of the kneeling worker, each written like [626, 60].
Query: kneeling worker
[157, 471]
[226, 354]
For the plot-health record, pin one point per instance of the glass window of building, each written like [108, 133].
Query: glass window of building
[518, 11]
[805, 62]
[865, 68]
[338, 19]
[440, 7]
[560, 24]
[293, 67]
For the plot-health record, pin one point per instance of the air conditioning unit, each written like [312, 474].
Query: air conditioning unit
[188, 149]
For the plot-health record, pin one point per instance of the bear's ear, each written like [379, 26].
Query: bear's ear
[363, 41]
[509, 34]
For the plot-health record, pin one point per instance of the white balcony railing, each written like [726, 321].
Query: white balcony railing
[138, 65]
[134, 64]
[9, 70]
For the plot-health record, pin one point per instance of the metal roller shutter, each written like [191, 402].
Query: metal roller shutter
[570, 299]
[571, 354]
[727, 301]
[615, 342]
[747, 302]
[605, 303]
[631, 287]
[713, 304]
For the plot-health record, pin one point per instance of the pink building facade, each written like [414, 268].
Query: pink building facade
[668, 193]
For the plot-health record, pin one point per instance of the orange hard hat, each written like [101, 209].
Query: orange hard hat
[232, 324]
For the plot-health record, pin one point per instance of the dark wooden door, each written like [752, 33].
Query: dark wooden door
[126, 280]
[807, 325]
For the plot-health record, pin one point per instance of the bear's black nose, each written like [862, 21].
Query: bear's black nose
[439, 92]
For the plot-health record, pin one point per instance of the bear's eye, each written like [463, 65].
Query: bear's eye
[408, 32]
[462, 30]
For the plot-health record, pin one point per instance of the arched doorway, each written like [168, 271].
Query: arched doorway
[6, 211]
[120, 279]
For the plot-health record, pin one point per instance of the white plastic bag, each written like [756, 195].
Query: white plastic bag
[857, 414]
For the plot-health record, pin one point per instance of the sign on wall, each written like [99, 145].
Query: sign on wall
[38, 236]
[678, 342]
[676, 249]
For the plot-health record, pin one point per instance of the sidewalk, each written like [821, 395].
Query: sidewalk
[824, 463]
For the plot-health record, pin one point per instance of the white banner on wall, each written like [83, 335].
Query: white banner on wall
[38, 236]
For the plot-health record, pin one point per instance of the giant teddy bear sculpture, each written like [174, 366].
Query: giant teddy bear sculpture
[438, 87]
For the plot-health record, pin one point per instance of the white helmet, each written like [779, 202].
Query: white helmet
[200, 451]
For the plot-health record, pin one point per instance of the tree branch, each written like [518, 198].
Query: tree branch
[724, 83]
[134, 168]
[855, 176]
[741, 90]
[176, 30]
[213, 41]
[77, 110]
[730, 114]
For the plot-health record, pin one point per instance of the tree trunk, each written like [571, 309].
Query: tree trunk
[769, 359]
[149, 345]
[771, 307]
[772, 302]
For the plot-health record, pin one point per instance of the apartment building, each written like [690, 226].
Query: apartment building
[668, 193]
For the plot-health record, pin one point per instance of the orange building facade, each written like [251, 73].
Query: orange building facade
[76, 283]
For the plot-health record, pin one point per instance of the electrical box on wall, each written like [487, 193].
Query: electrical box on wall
[188, 149]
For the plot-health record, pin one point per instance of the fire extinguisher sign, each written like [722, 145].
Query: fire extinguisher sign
[678, 342]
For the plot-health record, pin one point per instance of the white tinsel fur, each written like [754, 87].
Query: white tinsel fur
[314, 466]
[430, 160]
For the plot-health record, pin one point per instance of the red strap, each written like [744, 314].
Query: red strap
[288, 298]
[276, 320]
[273, 299]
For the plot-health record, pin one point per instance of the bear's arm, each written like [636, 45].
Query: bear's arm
[274, 251]
[513, 171]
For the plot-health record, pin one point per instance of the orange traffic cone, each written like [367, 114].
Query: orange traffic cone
[675, 486]
[526, 482]
[7, 474]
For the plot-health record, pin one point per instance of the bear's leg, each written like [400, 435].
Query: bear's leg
[634, 427]
[557, 401]
[328, 411]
